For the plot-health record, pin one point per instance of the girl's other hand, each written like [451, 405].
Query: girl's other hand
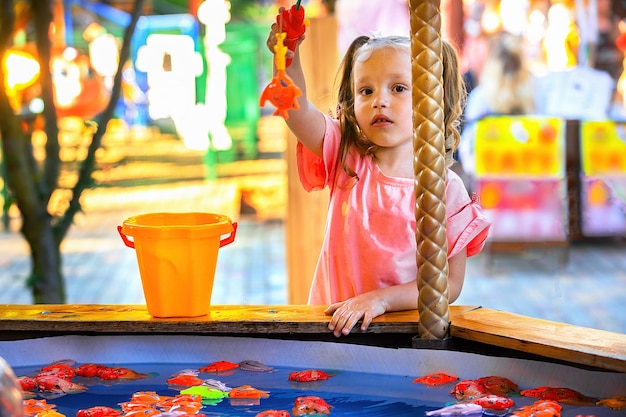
[346, 314]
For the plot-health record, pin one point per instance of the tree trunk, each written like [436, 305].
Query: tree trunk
[31, 185]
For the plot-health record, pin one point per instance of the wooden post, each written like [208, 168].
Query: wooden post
[306, 212]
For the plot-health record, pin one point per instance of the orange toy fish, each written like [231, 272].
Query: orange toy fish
[273, 413]
[33, 407]
[219, 367]
[308, 375]
[247, 391]
[614, 403]
[281, 91]
[310, 405]
[186, 378]
[98, 411]
[541, 408]
[438, 378]
[561, 395]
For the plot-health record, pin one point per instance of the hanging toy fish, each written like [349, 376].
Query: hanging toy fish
[281, 91]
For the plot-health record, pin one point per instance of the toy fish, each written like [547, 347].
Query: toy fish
[27, 383]
[62, 369]
[614, 403]
[219, 367]
[98, 411]
[274, 413]
[498, 385]
[309, 375]
[89, 370]
[468, 390]
[50, 413]
[94, 370]
[185, 378]
[494, 402]
[435, 379]
[254, 366]
[561, 395]
[281, 90]
[206, 393]
[55, 385]
[214, 383]
[540, 408]
[145, 397]
[465, 409]
[310, 405]
[33, 407]
[247, 391]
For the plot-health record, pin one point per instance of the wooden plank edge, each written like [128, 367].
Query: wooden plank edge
[598, 348]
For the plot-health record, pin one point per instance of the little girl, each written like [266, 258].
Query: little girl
[367, 264]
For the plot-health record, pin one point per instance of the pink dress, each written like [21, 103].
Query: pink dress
[369, 241]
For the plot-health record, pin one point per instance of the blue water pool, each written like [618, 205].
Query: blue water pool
[349, 393]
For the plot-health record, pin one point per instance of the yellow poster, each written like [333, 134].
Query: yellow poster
[520, 146]
[603, 147]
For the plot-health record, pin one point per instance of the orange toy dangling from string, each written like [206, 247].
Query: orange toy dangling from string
[281, 91]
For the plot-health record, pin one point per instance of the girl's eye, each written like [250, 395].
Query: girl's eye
[399, 88]
[365, 91]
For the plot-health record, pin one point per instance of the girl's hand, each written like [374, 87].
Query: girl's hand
[346, 314]
[271, 39]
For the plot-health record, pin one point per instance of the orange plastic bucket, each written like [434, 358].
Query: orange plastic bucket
[177, 256]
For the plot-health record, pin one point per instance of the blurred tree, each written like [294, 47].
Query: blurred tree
[30, 183]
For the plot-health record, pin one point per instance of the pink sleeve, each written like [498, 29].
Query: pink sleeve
[467, 226]
[315, 173]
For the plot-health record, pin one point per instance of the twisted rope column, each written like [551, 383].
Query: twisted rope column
[430, 170]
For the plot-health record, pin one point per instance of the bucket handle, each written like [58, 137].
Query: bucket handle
[226, 241]
[231, 238]
[127, 242]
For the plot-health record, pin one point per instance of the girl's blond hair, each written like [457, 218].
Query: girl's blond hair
[453, 88]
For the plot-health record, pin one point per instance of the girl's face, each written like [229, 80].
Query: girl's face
[382, 97]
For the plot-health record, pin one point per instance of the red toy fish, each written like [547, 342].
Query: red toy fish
[89, 370]
[56, 385]
[494, 402]
[95, 370]
[59, 369]
[219, 367]
[310, 405]
[27, 383]
[468, 390]
[438, 378]
[98, 411]
[308, 375]
[498, 385]
[561, 395]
